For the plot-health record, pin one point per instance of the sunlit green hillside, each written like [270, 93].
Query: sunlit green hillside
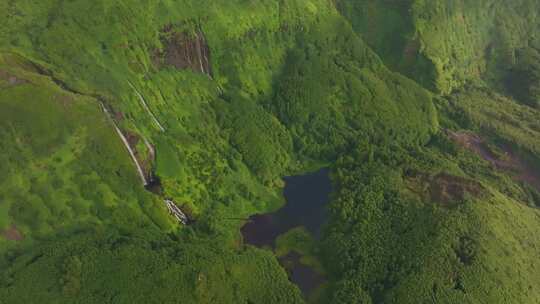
[426, 112]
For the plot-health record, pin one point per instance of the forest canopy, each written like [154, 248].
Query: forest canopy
[114, 115]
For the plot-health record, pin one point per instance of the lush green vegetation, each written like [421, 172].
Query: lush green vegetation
[63, 167]
[391, 242]
[369, 88]
[446, 44]
[523, 81]
[145, 267]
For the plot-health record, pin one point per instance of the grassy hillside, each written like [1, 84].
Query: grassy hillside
[63, 166]
[218, 100]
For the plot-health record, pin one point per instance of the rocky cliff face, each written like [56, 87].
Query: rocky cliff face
[184, 50]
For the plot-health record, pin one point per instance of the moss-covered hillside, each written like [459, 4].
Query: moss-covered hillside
[425, 112]
[446, 44]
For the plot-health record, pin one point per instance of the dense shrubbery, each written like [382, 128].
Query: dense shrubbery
[334, 89]
[144, 267]
[293, 83]
[265, 145]
[63, 164]
[386, 242]
[524, 78]
[443, 45]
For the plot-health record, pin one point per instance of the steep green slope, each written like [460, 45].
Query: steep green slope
[220, 99]
[220, 142]
[444, 44]
[115, 64]
[474, 39]
[63, 165]
[441, 227]
[401, 238]
[78, 226]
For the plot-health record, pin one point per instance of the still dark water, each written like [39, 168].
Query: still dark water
[306, 198]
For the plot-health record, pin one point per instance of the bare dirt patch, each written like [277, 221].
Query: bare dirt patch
[446, 189]
[13, 234]
[133, 139]
[443, 188]
[476, 144]
[183, 51]
[506, 159]
[118, 116]
[10, 79]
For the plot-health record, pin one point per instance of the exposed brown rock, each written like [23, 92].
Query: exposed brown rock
[11, 79]
[506, 160]
[118, 116]
[13, 234]
[184, 51]
[133, 139]
[444, 189]
[146, 164]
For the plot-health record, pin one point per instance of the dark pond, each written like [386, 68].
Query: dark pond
[306, 198]
[303, 276]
